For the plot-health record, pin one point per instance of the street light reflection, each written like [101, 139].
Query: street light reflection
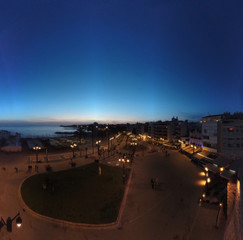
[201, 183]
[202, 174]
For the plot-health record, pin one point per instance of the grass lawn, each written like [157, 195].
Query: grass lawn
[77, 195]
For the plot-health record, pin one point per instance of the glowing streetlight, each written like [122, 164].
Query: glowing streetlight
[74, 145]
[36, 148]
[98, 146]
[123, 160]
[111, 141]
[9, 221]
[217, 218]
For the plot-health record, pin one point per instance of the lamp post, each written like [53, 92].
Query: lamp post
[80, 150]
[74, 145]
[98, 146]
[123, 160]
[9, 221]
[111, 142]
[108, 138]
[217, 218]
[46, 154]
[134, 144]
[93, 138]
[36, 148]
[208, 180]
[86, 152]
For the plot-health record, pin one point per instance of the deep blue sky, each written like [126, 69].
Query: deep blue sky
[126, 60]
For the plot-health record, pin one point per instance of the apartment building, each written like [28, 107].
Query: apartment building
[223, 134]
[230, 138]
[210, 132]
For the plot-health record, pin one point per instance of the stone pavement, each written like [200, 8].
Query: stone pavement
[204, 226]
[170, 212]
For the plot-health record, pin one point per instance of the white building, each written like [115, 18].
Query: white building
[230, 138]
[210, 132]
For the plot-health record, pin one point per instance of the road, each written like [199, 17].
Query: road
[166, 213]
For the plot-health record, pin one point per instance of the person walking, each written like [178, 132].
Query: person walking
[152, 183]
[157, 182]
[124, 178]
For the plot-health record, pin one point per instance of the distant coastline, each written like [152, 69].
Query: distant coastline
[69, 126]
[38, 131]
[66, 133]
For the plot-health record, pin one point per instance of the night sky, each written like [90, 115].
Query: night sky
[126, 60]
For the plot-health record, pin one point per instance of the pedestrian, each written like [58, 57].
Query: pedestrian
[29, 169]
[157, 181]
[152, 183]
[16, 169]
[36, 168]
[124, 178]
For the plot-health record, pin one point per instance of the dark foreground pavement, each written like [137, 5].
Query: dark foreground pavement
[170, 211]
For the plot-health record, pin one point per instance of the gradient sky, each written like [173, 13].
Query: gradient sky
[126, 60]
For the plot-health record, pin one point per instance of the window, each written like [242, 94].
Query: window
[205, 137]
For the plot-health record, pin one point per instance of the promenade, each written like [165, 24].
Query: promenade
[170, 211]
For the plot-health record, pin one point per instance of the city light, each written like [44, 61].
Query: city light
[201, 182]
[221, 169]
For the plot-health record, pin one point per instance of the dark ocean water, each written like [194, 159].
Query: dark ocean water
[37, 131]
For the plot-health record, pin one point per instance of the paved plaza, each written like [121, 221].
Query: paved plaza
[170, 211]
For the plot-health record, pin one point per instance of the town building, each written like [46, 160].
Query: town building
[223, 134]
[210, 132]
[230, 138]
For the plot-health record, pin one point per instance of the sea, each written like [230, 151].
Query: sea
[35, 131]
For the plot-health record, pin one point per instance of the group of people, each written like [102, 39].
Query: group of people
[154, 182]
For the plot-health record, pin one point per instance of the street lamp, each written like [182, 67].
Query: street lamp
[123, 160]
[208, 180]
[46, 154]
[111, 142]
[9, 221]
[74, 145]
[98, 146]
[134, 144]
[36, 148]
[217, 218]
[193, 147]
[221, 169]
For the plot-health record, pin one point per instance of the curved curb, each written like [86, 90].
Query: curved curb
[73, 224]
